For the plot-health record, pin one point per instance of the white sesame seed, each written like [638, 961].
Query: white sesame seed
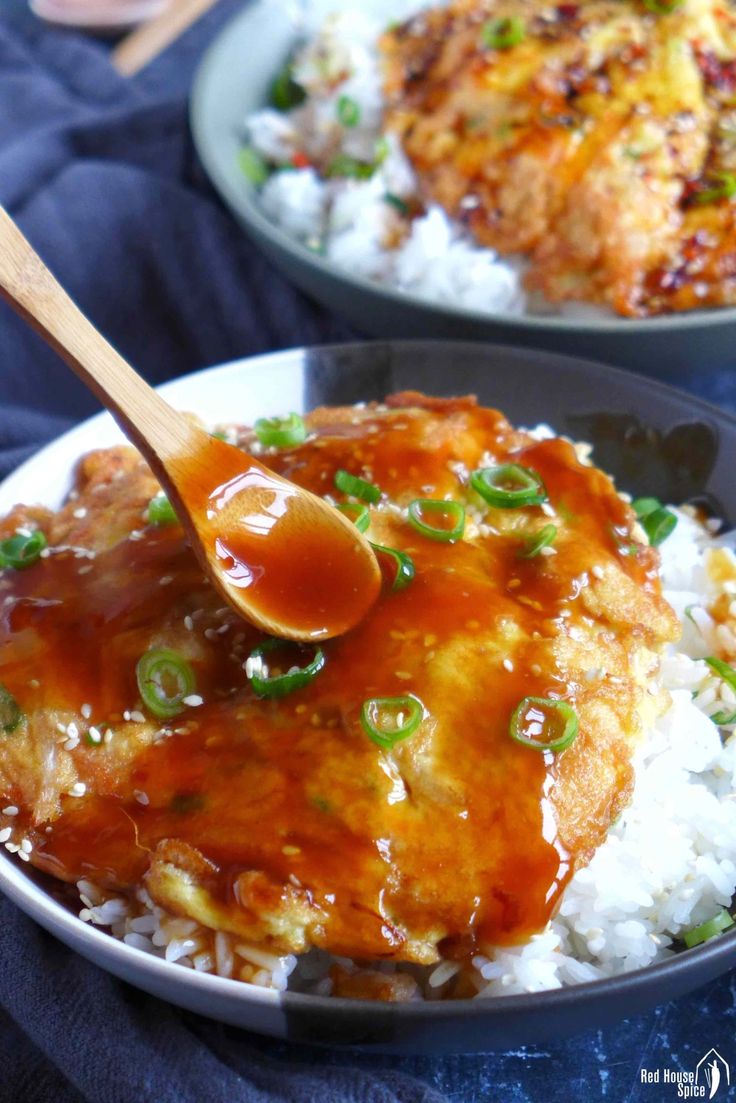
[188, 623]
[12, 848]
[34, 683]
[23, 856]
[45, 553]
[23, 530]
[141, 797]
[597, 571]
[136, 534]
[137, 717]
[61, 728]
[193, 700]
[80, 513]
[95, 734]
[126, 715]
[70, 744]
[507, 665]
[11, 810]
[5, 834]
[78, 789]
[26, 846]
[86, 710]
[85, 569]
[210, 634]
[72, 730]
[165, 579]
[107, 738]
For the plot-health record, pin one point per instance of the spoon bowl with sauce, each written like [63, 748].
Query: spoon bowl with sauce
[282, 557]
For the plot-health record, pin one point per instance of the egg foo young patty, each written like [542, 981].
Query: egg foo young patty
[415, 790]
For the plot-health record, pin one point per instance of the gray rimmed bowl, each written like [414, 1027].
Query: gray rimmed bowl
[654, 439]
[233, 80]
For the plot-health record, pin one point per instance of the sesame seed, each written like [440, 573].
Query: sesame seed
[188, 623]
[126, 715]
[72, 730]
[403, 674]
[536, 669]
[86, 710]
[61, 728]
[5, 834]
[85, 569]
[193, 700]
[136, 534]
[23, 856]
[11, 810]
[95, 734]
[597, 571]
[166, 579]
[34, 683]
[107, 737]
[12, 848]
[23, 530]
[141, 797]
[289, 850]
[507, 665]
[26, 846]
[137, 717]
[80, 513]
[78, 789]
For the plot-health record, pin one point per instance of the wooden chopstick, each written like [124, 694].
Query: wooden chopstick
[145, 43]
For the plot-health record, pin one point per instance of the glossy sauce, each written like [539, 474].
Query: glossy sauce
[452, 838]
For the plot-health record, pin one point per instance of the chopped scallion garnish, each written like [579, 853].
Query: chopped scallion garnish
[544, 723]
[658, 525]
[10, 714]
[160, 511]
[396, 202]
[343, 165]
[708, 930]
[509, 486]
[348, 111]
[285, 91]
[727, 673]
[294, 677]
[21, 551]
[357, 513]
[539, 540]
[723, 186]
[642, 507]
[437, 518]
[387, 720]
[281, 432]
[165, 679]
[402, 565]
[357, 487]
[252, 166]
[502, 34]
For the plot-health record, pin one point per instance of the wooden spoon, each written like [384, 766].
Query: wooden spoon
[282, 557]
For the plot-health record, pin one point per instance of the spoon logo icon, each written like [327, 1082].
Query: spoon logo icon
[715, 1072]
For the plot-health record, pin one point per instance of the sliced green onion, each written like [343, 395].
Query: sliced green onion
[10, 714]
[358, 488]
[387, 720]
[278, 685]
[381, 150]
[20, 551]
[724, 187]
[281, 432]
[164, 679]
[539, 540]
[160, 511]
[642, 507]
[219, 434]
[285, 91]
[662, 7]
[397, 202]
[544, 723]
[342, 165]
[502, 34]
[252, 166]
[357, 513]
[402, 565]
[708, 930]
[348, 111]
[438, 519]
[509, 486]
[658, 525]
[727, 673]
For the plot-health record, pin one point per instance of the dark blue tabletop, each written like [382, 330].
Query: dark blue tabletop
[101, 175]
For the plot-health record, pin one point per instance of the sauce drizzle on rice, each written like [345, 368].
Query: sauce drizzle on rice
[279, 820]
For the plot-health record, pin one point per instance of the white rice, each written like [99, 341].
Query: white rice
[350, 221]
[667, 865]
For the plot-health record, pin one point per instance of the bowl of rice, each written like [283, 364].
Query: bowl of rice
[353, 238]
[650, 915]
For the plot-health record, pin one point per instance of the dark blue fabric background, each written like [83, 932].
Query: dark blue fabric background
[100, 173]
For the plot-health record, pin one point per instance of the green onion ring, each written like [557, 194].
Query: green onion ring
[451, 512]
[20, 551]
[161, 512]
[402, 563]
[281, 432]
[10, 714]
[539, 540]
[285, 91]
[509, 486]
[537, 711]
[357, 513]
[158, 672]
[348, 111]
[383, 720]
[502, 34]
[658, 525]
[709, 929]
[358, 488]
[727, 673]
[642, 507]
[279, 685]
[342, 165]
[252, 166]
[724, 187]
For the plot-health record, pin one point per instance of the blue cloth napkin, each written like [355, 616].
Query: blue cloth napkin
[99, 171]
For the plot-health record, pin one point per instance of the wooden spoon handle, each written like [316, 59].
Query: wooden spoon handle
[28, 286]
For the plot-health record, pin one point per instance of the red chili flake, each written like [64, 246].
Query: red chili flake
[720, 74]
[300, 160]
[568, 11]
